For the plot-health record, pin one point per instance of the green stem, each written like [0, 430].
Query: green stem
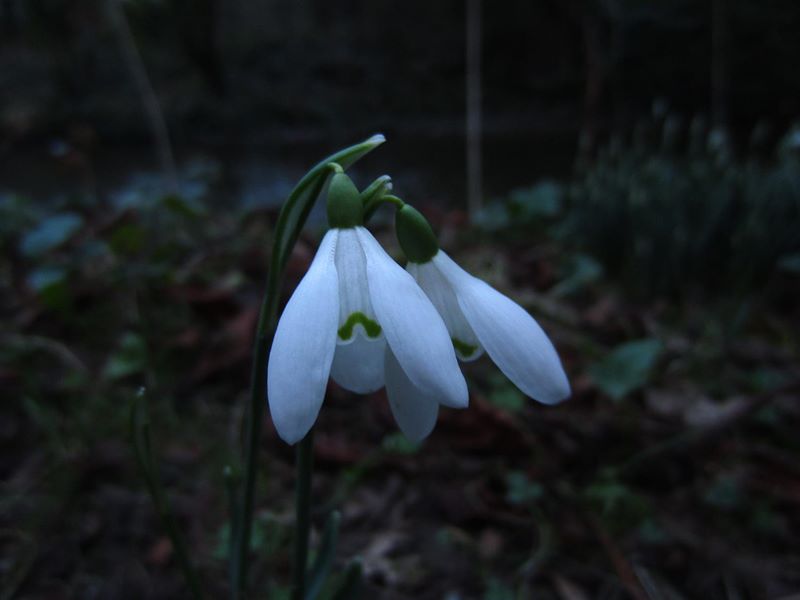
[233, 511]
[305, 464]
[382, 185]
[178, 543]
[291, 219]
[243, 525]
[267, 321]
[371, 205]
[140, 432]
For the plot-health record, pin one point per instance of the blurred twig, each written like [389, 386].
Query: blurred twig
[473, 93]
[621, 564]
[155, 117]
[140, 435]
[543, 549]
[698, 436]
[51, 346]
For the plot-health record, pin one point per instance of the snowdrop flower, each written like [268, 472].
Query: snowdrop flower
[360, 318]
[479, 318]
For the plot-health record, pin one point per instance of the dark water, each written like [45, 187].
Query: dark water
[425, 170]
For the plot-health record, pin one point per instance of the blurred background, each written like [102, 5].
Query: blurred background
[628, 170]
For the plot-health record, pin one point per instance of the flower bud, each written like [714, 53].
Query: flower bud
[415, 235]
[344, 203]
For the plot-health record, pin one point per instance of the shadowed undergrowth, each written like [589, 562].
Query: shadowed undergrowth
[670, 473]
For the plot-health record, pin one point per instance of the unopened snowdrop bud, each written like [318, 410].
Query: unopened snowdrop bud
[415, 235]
[344, 203]
[479, 318]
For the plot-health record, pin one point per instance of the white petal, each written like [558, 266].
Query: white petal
[413, 329]
[512, 337]
[356, 317]
[443, 298]
[358, 365]
[414, 410]
[303, 347]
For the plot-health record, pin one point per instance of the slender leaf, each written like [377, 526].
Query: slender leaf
[324, 561]
[297, 207]
[130, 358]
[140, 436]
[352, 582]
[231, 489]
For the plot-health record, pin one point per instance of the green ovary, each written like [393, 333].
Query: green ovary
[464, 349]
[371, 328]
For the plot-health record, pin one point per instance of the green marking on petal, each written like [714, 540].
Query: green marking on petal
[464, 349]
[371, 328]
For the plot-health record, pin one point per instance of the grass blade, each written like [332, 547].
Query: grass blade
[140, 436]
[324, 561]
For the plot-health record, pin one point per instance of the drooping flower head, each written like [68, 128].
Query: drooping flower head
[479, 318]
[358, 317]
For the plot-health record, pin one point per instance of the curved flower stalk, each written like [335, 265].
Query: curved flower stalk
[290, 221]
[358, 317]
[479, 318]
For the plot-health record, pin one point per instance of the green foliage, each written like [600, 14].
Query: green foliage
[397, 443]
[183, 207]
[141, 439]
[626, 368]
[764, 519]
[521, 490]
[320, 571]
[498, 590]
[127, 239]
[618, 505]
[580, 272]
[143, 245]
[142, 272]
[724, 494]
[504, 394]
[493, 217]
[348, 586]
[50, 233]
[129, 359]
[534, 206]
[50, 285]
[16, 214]
[666, 217]
[541, 201]
[133, 270]
[270, 535]
[651, 532]
[764, 379]
[667, 221]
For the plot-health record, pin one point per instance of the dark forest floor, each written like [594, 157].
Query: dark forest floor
[672, 472]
